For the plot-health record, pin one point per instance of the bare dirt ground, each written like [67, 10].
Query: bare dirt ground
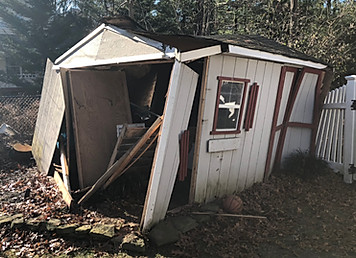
[304, 218]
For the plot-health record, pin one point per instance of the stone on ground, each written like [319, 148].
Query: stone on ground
[66, 229]
[183, 223]
[8, 219]
[102, 231]
[53, 224]
[132, 242]
[164, 233]
[18, 223]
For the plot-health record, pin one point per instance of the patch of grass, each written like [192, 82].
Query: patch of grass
[304, 164]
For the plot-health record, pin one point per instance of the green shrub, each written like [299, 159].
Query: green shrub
[304, 164]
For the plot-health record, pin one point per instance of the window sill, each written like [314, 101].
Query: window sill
[225, 132]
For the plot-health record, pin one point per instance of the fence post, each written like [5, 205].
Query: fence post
[350, 126]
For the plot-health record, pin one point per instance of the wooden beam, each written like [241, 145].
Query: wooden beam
[128, 156]
[194, 175]
[64, 165]
[230, 215]
[120, 164]
[118, 143]
[65, 194]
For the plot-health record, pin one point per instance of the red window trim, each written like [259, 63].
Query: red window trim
[251, 106]
[221, 79]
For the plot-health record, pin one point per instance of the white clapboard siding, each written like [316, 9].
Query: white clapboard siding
[225, 172]
[176, 117]
[47, 130]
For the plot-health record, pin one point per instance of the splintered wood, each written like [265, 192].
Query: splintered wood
[119, 167]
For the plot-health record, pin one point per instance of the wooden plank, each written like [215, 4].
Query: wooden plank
[64, 165]
[65, 194]
[164, 170]
[193, 183]
[118, 167]
[226, 144]
[100, 102]
[120, 164]
[49, 119]
[199, 53]
[118, 143]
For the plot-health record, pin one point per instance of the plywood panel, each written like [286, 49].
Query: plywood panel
[100, 102]
[49, 119]
[176, 117]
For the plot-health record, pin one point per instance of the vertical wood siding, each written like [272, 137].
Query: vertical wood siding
[47, 130]
[299, 138]
[166, 161]
[221, 173]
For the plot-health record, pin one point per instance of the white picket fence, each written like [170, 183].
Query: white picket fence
[336, 137]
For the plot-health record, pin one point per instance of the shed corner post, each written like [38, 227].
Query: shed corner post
[349, 127]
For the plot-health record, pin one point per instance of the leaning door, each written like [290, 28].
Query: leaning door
[286, 86]
[176, 115]
[295, 118]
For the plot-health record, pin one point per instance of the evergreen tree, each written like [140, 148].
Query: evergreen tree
[40, 30]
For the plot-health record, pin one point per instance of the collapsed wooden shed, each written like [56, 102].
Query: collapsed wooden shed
[245, 102]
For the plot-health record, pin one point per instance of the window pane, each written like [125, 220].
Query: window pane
[231, 93]
[227, 118]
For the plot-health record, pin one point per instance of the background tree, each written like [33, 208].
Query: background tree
[40, 30]
[324, 29]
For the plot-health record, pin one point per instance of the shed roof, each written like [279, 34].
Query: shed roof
[254, 42]
[182, 47]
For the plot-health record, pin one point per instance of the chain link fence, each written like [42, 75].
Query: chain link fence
[20, 112]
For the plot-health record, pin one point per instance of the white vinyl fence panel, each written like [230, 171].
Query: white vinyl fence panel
[335, 140]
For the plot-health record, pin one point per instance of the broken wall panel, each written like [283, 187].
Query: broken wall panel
[99, 102]
[166, 161]
[52, 106]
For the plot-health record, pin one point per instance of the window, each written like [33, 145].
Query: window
[229, 103]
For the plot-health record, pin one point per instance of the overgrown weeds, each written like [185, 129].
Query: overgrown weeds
[304, 164]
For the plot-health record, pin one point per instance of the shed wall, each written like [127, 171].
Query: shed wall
[220, 173]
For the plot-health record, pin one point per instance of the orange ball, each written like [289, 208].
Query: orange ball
[232, 204]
